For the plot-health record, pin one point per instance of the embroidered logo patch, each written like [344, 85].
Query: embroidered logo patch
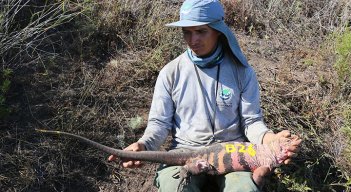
[225, 94]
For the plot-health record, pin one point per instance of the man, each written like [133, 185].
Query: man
[208, 94]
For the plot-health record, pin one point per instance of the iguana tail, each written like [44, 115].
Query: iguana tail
[151, 156]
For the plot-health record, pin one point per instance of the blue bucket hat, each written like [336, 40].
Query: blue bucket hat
[211, 13]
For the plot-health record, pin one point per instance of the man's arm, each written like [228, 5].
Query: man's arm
[161, 114]
[250, 108]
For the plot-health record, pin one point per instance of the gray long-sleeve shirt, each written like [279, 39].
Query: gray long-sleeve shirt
[179, 107]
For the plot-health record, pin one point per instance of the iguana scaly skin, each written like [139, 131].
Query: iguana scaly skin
[215, 159]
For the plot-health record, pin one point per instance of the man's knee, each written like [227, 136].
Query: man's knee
[238, 181]
[166, 180]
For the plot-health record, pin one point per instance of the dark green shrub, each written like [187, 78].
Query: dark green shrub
[4, 87]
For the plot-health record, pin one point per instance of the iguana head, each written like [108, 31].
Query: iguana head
[281, 149]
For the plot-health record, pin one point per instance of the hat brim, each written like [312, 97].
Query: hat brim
[186, 23]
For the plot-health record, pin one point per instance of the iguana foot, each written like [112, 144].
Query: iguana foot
[259, 174]
[184, 178]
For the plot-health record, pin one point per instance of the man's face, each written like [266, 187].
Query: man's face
[202, 40]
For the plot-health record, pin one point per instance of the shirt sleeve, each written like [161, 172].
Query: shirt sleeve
[250, 108]
[160, 120]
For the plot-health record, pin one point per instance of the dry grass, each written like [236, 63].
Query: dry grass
[28, 31]
[101, 84]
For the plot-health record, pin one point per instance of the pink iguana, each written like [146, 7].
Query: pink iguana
[215, 159]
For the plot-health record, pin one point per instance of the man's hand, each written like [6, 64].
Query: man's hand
[128, 163]
[281, 136]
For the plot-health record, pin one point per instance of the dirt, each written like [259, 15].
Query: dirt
[132, 180]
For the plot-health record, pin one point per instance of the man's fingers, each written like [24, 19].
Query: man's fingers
[128, 163]
[112, 158]
[284, 133]
[293, 140]
[296, 142]
[292, 154]
[293, 149]
[287, 161]
[295, 146]
[131, 164]
[125, 162]
[294, 137]
[137, 163]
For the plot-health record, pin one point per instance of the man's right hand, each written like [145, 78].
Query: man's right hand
[126, 163]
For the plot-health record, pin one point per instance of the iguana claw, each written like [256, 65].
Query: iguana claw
[184, 177]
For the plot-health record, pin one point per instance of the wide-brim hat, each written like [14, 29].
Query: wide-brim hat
[211, 13]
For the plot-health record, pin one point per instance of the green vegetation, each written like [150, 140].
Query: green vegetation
[346, 130]
[89, 67]
[4, 88]
[343, 51]
[136, 122]
[343, 69]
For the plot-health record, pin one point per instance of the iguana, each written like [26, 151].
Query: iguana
[215, 159]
